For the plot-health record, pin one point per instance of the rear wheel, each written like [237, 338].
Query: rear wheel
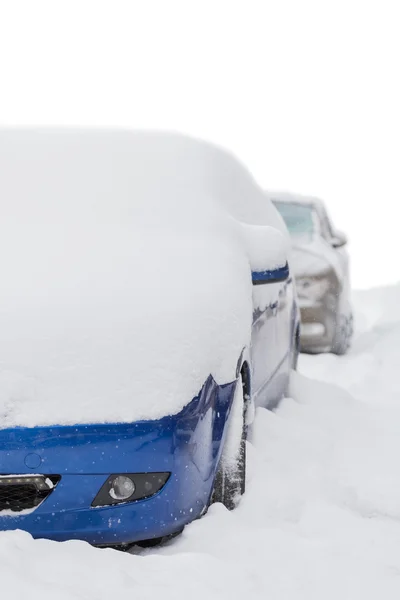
[230, 481]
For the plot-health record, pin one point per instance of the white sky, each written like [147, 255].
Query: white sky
[306, 92]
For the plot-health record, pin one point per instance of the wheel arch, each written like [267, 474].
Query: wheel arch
[246, 381]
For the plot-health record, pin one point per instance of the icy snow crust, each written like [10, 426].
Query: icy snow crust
[125, 263]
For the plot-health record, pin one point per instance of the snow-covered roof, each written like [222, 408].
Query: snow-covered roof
[125, 273]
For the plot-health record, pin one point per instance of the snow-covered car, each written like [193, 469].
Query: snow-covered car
[146, 308]
[321, 267]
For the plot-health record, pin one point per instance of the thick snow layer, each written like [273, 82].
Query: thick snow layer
[321, 515]
[125, 272]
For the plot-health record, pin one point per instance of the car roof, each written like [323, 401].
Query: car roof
[118, 167]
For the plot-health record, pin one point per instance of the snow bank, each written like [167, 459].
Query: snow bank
[43, 570]
[125, 273]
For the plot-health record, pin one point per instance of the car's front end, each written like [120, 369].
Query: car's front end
[114, 484]
[130, 286]
[318, 299]
[320, 276]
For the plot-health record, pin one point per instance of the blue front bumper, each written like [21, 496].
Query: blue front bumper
[187, 445]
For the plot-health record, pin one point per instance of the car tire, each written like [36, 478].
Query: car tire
[343, 335]
[230, 480]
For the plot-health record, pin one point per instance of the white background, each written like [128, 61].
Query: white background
[305, 92]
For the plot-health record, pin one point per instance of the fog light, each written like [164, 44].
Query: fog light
[122, 488]
[129, 487]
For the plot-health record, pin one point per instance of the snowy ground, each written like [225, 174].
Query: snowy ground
[320, 519]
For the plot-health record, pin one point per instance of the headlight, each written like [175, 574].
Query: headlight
[312, 288]
[128, 487]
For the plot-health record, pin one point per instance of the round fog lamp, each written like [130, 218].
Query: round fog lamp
[122, 488]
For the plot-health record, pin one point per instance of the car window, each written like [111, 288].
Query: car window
[299, 218]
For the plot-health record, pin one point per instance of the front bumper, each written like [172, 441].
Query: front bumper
[317, 328]
[67, 514]
[187, 445]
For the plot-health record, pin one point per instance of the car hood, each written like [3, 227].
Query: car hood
[312, 255]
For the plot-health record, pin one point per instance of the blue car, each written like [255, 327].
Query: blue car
[127, 385]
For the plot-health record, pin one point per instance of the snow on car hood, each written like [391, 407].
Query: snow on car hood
[312, 255]
[124, 284]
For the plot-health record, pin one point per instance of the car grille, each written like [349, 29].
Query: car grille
[25, 493]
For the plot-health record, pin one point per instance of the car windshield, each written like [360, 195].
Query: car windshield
[298, 217]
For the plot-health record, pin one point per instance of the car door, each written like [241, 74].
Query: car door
[284, 321]
[265, 351]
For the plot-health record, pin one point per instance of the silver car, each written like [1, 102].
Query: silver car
[321, 267]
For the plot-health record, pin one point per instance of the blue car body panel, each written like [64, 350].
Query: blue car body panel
[187, 445]
[273, 343]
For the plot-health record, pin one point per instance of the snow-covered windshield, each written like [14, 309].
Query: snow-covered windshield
[299, 218]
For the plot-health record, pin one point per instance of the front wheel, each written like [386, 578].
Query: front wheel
[343, 335]
[230, 481]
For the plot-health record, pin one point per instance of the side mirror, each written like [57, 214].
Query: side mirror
[270, 276]
[268, 253]
[339, 240]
